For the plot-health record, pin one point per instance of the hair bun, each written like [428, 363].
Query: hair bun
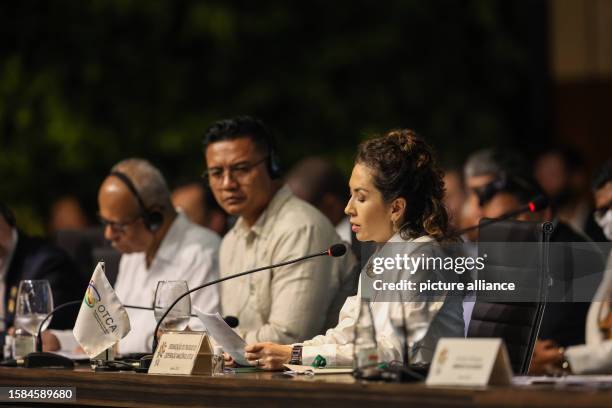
[423, 159]
[404, 165]
[412, 144]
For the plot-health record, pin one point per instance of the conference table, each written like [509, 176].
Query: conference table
[129, 389]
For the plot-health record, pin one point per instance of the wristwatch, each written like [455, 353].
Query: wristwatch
[565, 365]
[296, 354]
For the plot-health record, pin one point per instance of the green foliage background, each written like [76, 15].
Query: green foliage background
[85, 84]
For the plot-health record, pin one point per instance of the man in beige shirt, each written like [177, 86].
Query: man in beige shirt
[287, 304]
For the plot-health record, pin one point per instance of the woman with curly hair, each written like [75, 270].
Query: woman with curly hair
[396, 197]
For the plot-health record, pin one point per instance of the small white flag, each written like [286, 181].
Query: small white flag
[102, 320]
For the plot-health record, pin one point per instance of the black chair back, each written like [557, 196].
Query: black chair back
[516, 322]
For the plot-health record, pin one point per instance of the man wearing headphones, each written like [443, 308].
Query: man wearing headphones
[287, 304]
[564, 317]
[157, 244]
[24, 257]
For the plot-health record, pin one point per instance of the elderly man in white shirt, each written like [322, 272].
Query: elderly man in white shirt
[157, 244]
[286, 304]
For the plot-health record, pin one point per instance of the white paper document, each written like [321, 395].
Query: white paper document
[308, 370]
[231, 342]
[566, 380]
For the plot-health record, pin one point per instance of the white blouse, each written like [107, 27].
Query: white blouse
[336, 345]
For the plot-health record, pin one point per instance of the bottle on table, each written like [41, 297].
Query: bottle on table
[365, 349]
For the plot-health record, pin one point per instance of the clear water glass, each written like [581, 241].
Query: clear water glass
[165, 294]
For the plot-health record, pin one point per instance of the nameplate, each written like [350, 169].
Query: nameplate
[183, 353]
[470, 362]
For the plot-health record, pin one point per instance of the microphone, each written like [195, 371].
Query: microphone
[538, 203]
[232, 321]
[335, 251]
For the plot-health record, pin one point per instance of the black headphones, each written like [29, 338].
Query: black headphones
[504, 182]
[8, 215]
[152, 219]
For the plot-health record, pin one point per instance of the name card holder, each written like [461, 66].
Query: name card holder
[184, 353]
[470, 362]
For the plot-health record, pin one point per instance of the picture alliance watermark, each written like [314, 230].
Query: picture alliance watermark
[411, 264]
[493, 271]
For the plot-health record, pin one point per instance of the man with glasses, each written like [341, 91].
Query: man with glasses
[287, 304]
[157, 244]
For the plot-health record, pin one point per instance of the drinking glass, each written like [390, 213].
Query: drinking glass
[34, 303]
[165, 294]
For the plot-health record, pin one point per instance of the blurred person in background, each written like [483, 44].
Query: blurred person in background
[596, 355]
[24, 257]
[157, 244]
[564, 319]
[286, 304]
[198, 204]
[67, 214]
[321, 183]
[480, 169]
[454, 197]
[562, 173]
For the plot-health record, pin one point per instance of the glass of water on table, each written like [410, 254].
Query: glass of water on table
[34, 303]
[165, 294]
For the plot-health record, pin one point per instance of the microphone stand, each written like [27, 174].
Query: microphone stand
[237, 275]
[40, 358]
[334, 251]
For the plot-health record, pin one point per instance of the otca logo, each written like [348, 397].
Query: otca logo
[92, 296]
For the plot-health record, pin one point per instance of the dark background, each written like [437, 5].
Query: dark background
[85, 84]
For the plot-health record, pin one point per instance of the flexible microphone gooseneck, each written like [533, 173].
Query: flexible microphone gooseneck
[537, 204]
[41, 359]
[39, 345]
[335, 250]
[232, 321]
